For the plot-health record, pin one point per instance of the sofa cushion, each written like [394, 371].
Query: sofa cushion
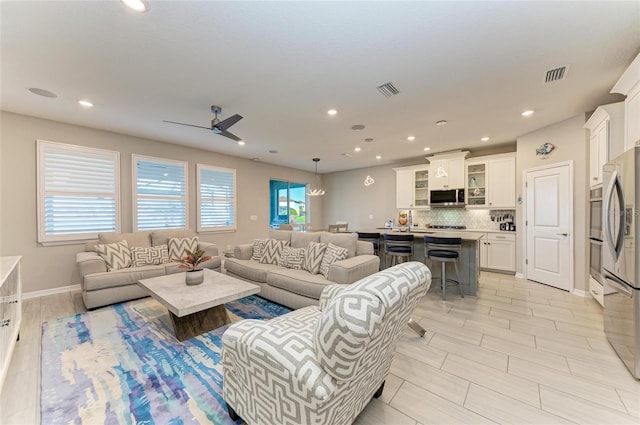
[272, 251]
[120, 277]
[133, 239]
[313, 257]
[343, 240]
[292, 258]
[302, 239]
[332, 254]
[117, 255]
[258, 247]
[281, 235]
[146, 256]
[178, 246]
[249, 269]
[161, 237]
[299, 282]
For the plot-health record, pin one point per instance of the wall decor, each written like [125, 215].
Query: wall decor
[544, 150]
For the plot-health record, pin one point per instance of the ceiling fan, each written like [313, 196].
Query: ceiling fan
[217, 126]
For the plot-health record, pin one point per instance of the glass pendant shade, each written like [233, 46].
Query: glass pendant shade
[368, 181]
[316, 188]
[441, 172]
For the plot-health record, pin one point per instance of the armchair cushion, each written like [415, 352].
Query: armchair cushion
[117, 255]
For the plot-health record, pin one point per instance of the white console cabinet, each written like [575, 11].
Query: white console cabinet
[10, 311]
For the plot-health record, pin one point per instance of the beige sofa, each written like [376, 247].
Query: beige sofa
[299, 288]
[101, 287]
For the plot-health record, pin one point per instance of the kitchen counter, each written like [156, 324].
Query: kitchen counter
[469, 263]
[432, 230]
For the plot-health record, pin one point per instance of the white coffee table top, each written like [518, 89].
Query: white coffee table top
[180, 299]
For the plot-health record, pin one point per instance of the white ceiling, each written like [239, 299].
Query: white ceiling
[282, 65]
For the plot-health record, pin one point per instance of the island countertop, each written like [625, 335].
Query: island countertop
[421, 233]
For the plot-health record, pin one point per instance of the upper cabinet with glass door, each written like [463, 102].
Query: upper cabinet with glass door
[412, 187]
[491, 182]
[476, 184]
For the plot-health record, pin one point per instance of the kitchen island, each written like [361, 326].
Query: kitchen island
[469, 263]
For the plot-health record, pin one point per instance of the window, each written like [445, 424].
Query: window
[216, 198]
[78, 192]
[160, 193]
[288, 203]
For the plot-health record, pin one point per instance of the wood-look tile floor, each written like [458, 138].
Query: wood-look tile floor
[519, 352]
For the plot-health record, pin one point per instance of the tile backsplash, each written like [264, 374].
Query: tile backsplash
[472, 219]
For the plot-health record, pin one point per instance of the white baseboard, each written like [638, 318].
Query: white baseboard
[45, 292]
[581, 293]
[520, 275]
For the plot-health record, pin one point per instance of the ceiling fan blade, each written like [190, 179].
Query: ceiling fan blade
[229, 135]
[226, 123]
[188, 125]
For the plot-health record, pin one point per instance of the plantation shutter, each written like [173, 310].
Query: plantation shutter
[160, 193]
[216, 198]
[78, 192]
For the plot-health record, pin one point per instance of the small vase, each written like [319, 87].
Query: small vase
[194, 277]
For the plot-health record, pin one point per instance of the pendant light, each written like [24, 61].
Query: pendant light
[441, 172]
[316, 188]
[368, 181]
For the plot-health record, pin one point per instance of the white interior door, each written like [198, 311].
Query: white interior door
[549, 224]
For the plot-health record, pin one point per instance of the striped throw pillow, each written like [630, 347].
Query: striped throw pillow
[178, 246]
[117, 255]
[313, 257]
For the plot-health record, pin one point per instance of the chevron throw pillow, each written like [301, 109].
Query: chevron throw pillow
[142, 256]
[117, 255]
[272, 251]
[258, 247]
[332, 254]
[292, 258]
[313, 257]
[178, 246]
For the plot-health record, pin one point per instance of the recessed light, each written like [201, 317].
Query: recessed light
[137, 5]
[528, 113]
[241, 142]
[357, 149]
[484, 139]
[85, 103]
[378, 156]
[42, 92]
[411, 138]
[332, 112]
[427, 149]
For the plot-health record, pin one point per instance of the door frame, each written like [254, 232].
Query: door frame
[525, 173]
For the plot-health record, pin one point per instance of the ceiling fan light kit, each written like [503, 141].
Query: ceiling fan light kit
[316, 188]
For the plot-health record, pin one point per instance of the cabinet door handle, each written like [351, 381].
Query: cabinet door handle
[562, 234]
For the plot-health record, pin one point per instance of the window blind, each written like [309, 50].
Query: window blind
[160, 193]
[78, 192]
[216, 198]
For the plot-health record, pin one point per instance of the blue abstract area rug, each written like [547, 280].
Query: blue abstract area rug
[123, 365]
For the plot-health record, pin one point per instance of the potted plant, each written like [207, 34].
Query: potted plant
[190, 262]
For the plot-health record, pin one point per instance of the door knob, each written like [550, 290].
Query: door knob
[562, 234]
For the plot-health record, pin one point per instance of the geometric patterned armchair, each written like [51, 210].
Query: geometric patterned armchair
[321, 364]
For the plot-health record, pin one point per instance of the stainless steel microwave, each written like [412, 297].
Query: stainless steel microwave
[447, 198]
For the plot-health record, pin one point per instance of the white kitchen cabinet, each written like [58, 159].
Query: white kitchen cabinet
[500, 252]
[412, 187]
[596, 290]
[447, 171]
[491, 182]
[10, 311]
[629, 85]
[606, 138]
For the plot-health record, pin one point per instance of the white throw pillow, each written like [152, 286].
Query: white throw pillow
[272, 251]
[178, 247]
[332, 254]
[292, 258]
[142, 256]
[117, 255]
[313, 257]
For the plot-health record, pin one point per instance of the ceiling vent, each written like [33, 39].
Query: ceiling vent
[388, 89]
[555, 74]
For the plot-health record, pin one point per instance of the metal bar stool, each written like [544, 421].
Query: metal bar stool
[446, 250]
[398, 247]
[374, 238]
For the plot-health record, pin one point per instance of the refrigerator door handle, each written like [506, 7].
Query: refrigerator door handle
[618, 285]
[616, 246]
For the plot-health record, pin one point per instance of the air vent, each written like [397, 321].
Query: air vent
[555, 74]
[388, 89]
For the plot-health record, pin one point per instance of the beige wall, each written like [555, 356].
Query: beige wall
[570, 143]
[54, 266]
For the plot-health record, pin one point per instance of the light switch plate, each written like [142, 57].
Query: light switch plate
[253, 217]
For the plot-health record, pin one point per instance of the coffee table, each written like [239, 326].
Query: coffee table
[197, 309]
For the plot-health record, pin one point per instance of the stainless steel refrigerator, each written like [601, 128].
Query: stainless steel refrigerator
[621, 257]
